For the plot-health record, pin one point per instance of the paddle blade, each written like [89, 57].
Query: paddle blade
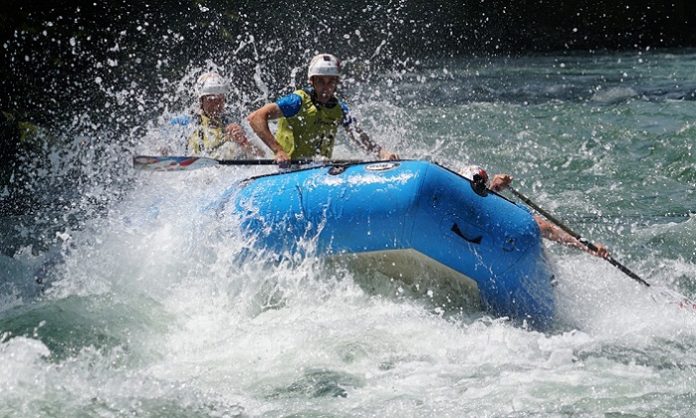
[157, 163]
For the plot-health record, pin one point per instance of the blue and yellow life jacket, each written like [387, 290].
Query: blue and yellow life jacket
[208, 135]
[312, 131]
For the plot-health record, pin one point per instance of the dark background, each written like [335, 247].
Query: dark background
[72, 58]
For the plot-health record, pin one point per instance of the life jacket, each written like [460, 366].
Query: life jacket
[208, 135]
[312, 131]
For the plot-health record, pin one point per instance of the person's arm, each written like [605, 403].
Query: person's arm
[549, 230]
[500, 182]
[235, 133]
[178, 122]
[258, 120]
[554, 233]
[181, 120]
[362, 139]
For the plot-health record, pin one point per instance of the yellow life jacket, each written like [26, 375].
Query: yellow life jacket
[208, 135]
[312, 131]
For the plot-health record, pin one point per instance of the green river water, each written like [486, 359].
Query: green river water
[154, 318]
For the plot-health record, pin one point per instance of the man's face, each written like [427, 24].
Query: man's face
[213, 104]
[324, 86]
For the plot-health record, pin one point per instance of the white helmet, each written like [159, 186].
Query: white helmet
[211, 83]
[324, 64]
[472, 171]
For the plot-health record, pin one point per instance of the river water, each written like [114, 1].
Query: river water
[144, 308]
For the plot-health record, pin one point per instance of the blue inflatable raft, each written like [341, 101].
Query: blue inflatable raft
[414, 221]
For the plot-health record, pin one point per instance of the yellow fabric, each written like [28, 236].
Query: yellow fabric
[208, 135]
[311, 132]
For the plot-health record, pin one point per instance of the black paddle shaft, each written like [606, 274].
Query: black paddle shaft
[180, 163]
[289, 162]
[582, 240]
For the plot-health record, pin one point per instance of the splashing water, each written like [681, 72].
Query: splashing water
[144, 308]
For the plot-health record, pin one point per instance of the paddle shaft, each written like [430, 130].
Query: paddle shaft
[582, 240]
[290, 162]
[179, 163]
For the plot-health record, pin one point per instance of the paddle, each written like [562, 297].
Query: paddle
[674, 297]
[577, 236]
[179, 163]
